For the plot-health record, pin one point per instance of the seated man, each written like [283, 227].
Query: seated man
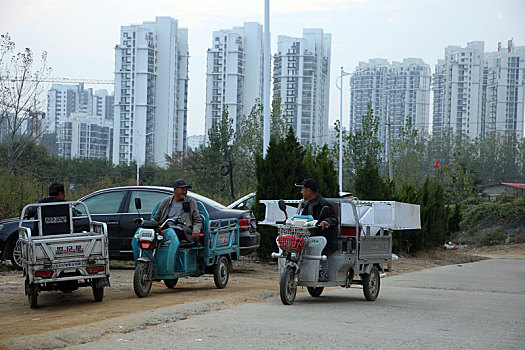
[57, 193]
[182, 207]
[315, 203]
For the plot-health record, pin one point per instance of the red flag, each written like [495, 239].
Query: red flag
[437, 165]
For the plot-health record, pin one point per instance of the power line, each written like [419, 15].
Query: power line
[63, 80]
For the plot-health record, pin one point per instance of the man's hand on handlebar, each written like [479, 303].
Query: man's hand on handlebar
[195, 235]
[324, 225]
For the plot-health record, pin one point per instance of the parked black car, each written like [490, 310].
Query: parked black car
[116, 207]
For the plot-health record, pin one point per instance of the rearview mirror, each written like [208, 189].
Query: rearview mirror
[282, 206]
[138, 203]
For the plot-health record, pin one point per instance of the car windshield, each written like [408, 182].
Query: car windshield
[206, 200]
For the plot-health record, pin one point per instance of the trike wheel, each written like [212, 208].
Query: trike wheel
[32, 294]
[288, 286]
[141, 280]
[371, 284]
[221, 273]
[171, 283]
[315, 291]
[98, 292]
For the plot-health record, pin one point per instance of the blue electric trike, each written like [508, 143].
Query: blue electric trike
[159, 255]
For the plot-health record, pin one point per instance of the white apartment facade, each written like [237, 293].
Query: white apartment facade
[457, 88]
[151, 91]
[71, 105]
[503, 92]
[64, 99]
[85, 136]
[234, 75]
[478, 92]
[302, 80]
[396, 90]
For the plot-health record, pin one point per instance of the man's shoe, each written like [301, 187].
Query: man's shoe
[323, 276]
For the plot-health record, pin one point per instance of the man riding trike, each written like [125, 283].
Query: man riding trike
[182, 241]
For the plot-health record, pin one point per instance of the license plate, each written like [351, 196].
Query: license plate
[73, 249]
[68, 264]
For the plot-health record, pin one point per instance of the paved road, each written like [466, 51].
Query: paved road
[470, 306]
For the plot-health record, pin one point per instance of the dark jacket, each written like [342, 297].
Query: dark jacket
[190, 217]
[32, 212]
[331, 232]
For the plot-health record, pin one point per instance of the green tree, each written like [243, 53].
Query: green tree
[364, 149]
[276, 175]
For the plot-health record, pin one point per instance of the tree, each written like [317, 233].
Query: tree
[363, 148]
[21, 97]
[276, 175]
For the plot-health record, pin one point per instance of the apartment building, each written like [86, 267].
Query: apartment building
[476, 92]
[234, 75]
[151, 92]
[84, 136]
[302, 80]
[396, 90]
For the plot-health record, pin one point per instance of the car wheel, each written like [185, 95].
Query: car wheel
[221, 273]
[14, 252]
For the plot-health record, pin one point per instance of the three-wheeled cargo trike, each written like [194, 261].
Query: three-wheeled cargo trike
[58, 257]
[364, 240]
[159, 255]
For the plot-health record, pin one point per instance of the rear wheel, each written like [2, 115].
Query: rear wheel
[98, 292]
[371, 284]
[288, 286]
[221, 273]
[141, 281]
[315, 291]
[171, 283]
[32, 294]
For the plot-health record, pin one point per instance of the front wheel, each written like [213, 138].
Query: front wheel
[32, 294]
[315, 291]
[98, 292]
[14, 252]
[221, 273]
[141, 279]
[371, 284]
[288, 286]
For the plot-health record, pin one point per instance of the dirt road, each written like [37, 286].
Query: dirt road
[251, 281]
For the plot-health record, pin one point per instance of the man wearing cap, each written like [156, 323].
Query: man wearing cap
[314, 204]
[182, 207]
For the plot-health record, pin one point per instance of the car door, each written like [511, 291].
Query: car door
[107, 207]
[149, 199]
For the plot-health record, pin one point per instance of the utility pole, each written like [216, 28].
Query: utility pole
[266, 78]
[390, 168]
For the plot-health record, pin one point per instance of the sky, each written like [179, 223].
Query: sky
[80, 35]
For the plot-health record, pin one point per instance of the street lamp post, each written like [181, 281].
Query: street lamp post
[137, 158]
[343, 73]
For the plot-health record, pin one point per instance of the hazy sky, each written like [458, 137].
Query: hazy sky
[80, 35]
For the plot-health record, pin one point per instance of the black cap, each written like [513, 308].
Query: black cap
[181, 183]
[309, 183]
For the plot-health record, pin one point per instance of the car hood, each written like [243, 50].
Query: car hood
[10, 220]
